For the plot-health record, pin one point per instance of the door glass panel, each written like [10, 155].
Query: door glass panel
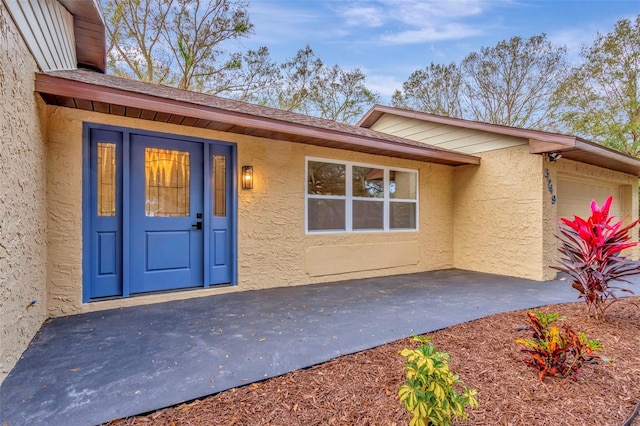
[106, 179]
[219, 185]
[167, 182]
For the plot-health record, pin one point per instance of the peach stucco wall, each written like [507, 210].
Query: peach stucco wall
[22, 198]
[498, 214]
[505, 221]
[272, 244]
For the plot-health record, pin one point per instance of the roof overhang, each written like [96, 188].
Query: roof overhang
[68, 89]
[590, 153]
[89, 32]
[570, 147]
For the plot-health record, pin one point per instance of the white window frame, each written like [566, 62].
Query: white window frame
[349, 198]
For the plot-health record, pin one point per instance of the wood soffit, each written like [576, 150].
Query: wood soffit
[60, 90]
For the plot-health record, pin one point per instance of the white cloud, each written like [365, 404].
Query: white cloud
[452, 31]
[281, 21]
[357, 16]
[573, 40]
[411, 22]
[417, 12]
[385, 85]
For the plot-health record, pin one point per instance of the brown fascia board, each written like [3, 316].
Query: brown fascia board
[540, 147]
[627, 163]
[59, 86]
[89, 29]
[611, 158]
[539, 142]
[87, 10]
[377, 111]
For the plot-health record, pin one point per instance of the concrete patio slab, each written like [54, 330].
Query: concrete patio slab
[91, 368]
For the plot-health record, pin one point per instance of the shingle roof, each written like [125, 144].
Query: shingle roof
[235, 112]
[540, 142]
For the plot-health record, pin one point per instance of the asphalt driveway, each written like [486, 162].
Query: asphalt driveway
[91, 368]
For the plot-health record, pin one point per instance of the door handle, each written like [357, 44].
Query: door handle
[197, 225]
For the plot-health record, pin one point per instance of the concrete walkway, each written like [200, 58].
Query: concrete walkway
[91, 368]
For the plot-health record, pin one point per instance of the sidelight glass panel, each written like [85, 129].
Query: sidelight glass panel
[219, 173]
[368, 182]
[167, 182]
[106, 179]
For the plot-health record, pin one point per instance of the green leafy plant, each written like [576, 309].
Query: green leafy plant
[592, 256]
[429, 392]
[556, 351]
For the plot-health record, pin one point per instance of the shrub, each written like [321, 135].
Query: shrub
[556, 351]
[429, 393]
[591, 256]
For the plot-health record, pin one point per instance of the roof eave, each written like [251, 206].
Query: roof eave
[89, 31]
[378, 110]
[59, 86]
[571, 147]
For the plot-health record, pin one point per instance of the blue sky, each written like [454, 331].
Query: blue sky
[389, 39]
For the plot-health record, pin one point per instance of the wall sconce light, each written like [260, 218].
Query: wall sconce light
[247, 177]
[554, 156]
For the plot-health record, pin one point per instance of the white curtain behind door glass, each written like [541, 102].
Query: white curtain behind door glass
[167, 182]
[219, 186]
[106, 159]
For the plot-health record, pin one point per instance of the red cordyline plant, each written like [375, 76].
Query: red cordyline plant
[591, 256]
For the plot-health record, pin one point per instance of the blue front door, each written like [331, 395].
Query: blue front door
[167, 211]
[160, 211]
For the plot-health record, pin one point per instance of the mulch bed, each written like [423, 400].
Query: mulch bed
[360, 389]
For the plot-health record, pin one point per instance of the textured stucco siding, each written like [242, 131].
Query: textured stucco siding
[22, 198]
[498, 219]
[584, 172]
[272, 243]
[505, 216]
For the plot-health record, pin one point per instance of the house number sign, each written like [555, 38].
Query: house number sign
[550, 186]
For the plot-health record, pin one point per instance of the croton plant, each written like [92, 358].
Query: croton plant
[592, 256]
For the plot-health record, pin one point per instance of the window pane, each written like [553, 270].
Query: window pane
[106, 179]
[219, 173]
[403, 185]
[326, 215]
[367, 214]
[326, 178]
[368, 182]
[402, 215]
[167, 182]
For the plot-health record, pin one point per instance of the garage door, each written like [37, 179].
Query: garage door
[574, 197]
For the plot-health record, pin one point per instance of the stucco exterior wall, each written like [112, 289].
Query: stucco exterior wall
[498, 222]
[506, 211]
[22, 198]
[272, 244]
[564, 168]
